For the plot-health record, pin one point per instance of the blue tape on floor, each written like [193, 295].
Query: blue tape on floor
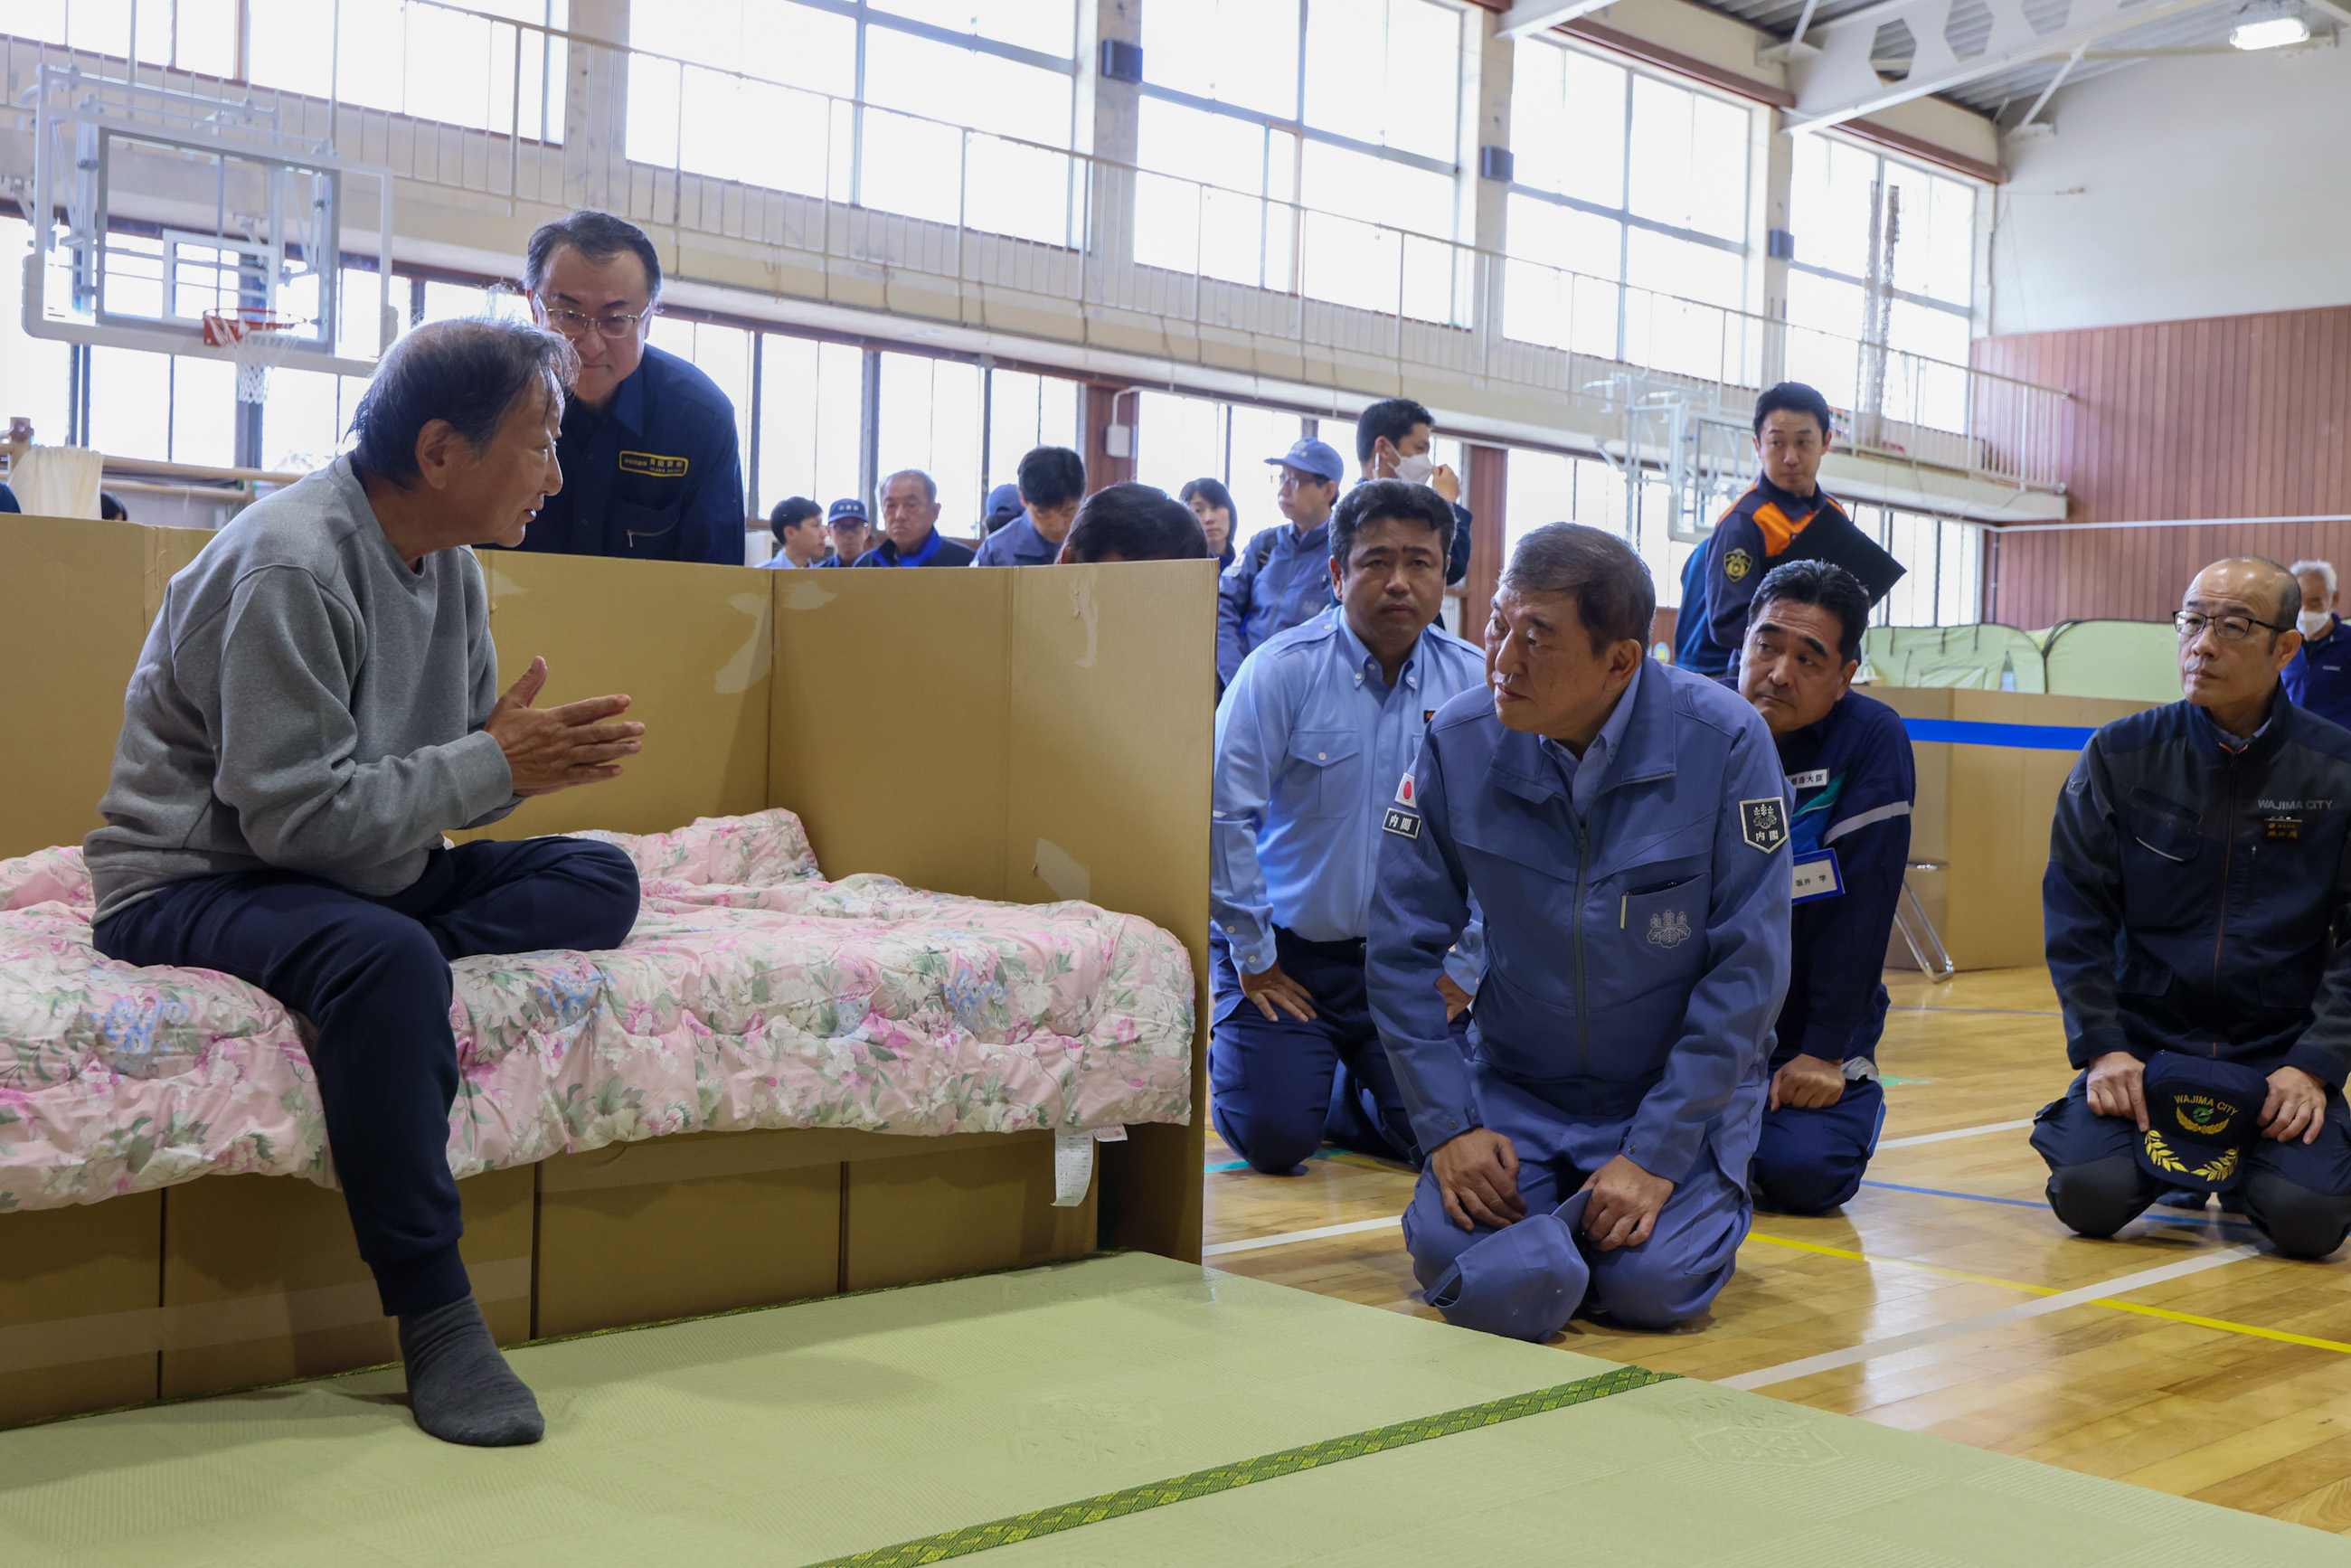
[1976, 732]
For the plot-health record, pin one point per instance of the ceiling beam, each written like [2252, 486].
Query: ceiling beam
[1537, 15]
[1839, 83]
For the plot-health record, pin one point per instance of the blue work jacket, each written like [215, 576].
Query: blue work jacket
[937, 550]
[2319, 677]
[2198, 897]
[652, 477]
[1312, 748]
[1016, 543]
[1635, 959]
[1854, 784]
[1259, 596]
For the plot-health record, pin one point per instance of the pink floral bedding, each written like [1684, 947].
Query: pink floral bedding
[752, 993]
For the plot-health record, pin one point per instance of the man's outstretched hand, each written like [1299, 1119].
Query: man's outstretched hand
[1477, 1174]
[554, 748]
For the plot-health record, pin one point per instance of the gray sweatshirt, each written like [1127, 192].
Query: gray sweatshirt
[304, 702]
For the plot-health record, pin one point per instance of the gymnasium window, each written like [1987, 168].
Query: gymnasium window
[1005, 67]
[1349, 106]
[808, 415]
[429, 62]
[1025, 412]
[1623, 179]
[1932, 292]
[930, 419]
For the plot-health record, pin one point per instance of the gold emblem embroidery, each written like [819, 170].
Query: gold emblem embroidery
[1737, 565]
[652, 464]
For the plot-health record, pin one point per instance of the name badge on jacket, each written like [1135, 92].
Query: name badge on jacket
[1817, 877]
[654, 464]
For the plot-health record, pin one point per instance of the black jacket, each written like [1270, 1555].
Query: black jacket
[2197, 898]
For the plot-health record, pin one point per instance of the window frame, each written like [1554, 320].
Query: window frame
[1966, 312]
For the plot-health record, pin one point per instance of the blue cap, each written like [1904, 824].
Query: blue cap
[1523, 1282]
[1317, 457]
[851, 509]
[1004, 502]
[2201, 1115]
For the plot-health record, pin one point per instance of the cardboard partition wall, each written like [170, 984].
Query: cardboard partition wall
[1982, 819]
[1026, 735]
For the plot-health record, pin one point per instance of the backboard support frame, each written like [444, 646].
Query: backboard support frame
[81, 120]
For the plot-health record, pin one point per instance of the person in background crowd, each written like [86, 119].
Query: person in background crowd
[316, 706]
[1785, 515]
[1623, 827]
[1312, 733]
[1003, 506]
[799, 527]
[1847, 757]
[2197, 883]
[1283, 579]
[851, 531]
[910, 534]
[1052, 483]
[111, 509]
[1391, 442]
[8, 500]
[2319, 677]
[1133, 522]
[1213, 505]
[647, 448]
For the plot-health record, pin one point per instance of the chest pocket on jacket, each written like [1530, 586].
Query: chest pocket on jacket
[1324, 774]
[2169, 872]
[1661, 917]
[649, 531]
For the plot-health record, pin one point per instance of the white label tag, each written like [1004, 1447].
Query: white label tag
[1110, 1134]
[1812, 780]
[1817, 877]
[1073, 1168]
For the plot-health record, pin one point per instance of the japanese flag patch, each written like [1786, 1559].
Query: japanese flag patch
[1763, 823]
[1405, 793]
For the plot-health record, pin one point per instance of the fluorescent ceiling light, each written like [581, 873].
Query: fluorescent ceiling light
[2266, 29]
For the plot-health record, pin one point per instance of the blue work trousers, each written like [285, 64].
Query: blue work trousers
[2296, 1194]
[371, 975]
[1810, 1160]
[1279, 1087]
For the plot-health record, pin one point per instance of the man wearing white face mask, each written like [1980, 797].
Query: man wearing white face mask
[2319, 677]
[1391, 442]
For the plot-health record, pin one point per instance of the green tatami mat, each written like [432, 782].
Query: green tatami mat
[777, 1438]
[790, 1437]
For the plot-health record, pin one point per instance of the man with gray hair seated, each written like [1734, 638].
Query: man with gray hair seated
[1623, 827]
[2319, 677]
[317, 704]
[910, 534]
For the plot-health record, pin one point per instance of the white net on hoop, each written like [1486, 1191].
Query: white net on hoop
[257, 340]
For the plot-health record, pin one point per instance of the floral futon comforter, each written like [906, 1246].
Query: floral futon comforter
[752, 993]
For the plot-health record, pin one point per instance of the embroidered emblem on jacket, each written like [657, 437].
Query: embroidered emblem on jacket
[1402, 823]
[652, 464]
[1669, 928]
[1763, 823]
[1737, 565]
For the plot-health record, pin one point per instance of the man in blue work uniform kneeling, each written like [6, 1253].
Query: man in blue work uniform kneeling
[1313, 737]
[647, 448]
[1623, 827]
[1847, 759]
[2197, 905]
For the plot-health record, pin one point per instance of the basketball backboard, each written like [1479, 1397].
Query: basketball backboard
[152, 207]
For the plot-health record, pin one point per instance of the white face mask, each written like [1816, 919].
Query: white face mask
[2313, 621]
[1414, 470]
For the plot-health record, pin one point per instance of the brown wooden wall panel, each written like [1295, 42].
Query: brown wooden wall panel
[2233, 416]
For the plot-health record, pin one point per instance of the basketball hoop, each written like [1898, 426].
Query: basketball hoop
[256, 340]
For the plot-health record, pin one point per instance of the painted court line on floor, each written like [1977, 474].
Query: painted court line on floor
[1259, 1243]
[1915, 1139]
[2098, 1294]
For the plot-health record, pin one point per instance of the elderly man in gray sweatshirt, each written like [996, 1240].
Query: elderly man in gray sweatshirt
[316, 706]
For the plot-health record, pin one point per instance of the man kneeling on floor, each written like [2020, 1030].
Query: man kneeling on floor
[2195, 908]
[1623, 827]
[317, 703]
[1848, 760]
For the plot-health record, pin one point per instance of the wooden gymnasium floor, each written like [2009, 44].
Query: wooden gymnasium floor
[1946, 1299]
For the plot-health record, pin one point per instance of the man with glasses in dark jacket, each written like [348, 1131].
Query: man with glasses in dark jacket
[2196, 905]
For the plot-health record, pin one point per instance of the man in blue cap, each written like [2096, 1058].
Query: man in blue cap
[1623, 827]
[851, 531]
[1052, 483]
[1848, 760]
[1313, 737]
[1283, 579]
[2196, 901]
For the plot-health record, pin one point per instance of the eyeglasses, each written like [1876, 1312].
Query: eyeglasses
[2227, 628]
[575, 323]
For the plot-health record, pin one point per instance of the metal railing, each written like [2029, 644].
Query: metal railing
[851, 202]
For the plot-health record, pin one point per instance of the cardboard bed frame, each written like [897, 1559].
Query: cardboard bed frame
[1024, 734]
